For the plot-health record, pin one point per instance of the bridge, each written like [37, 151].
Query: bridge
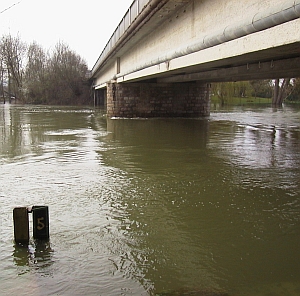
[164, 54]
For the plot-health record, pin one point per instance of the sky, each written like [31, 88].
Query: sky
[85, 26]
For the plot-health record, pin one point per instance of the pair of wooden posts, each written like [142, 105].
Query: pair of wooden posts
[40, 223]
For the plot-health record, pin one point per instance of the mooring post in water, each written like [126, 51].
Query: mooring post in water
[21, 225]
[40, 222]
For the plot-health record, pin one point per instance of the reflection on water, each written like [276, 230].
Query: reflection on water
[37, 255]
[153, 207]
[206, 208]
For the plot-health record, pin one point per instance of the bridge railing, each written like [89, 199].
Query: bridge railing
[132, 13]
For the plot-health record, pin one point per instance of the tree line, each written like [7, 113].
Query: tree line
[30, 74]
[279, 90]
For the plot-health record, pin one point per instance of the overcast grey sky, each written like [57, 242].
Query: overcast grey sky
[85, 26]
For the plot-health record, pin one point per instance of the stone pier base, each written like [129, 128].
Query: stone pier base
[158, 100]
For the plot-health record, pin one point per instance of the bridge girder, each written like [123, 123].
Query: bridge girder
[264, 45]
[253, 71]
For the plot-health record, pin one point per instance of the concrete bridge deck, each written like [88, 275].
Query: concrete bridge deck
[181, 41]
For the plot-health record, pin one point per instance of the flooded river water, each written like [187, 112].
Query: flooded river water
[152, 206]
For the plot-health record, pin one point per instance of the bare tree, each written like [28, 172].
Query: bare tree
[295, 95]
[58, 77]
[36, 76]
[13, 52]
[36, 73]
[282, 89]
[2, 72]
[68, 71]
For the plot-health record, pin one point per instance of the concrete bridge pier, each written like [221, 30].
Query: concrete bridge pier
[131, 100]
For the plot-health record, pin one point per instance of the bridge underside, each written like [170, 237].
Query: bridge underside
[185, 92]
[251, 70]
[176, 82]
[269, 54]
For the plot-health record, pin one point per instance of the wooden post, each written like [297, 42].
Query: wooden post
[21, 225]
[40, 222]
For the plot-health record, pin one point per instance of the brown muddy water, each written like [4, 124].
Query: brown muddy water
[152, 206]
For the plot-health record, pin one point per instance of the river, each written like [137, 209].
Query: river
[152, 206]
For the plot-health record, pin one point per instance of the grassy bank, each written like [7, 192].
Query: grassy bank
[247, 100]
[241, 101]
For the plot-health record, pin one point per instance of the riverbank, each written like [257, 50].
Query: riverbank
[247, 100]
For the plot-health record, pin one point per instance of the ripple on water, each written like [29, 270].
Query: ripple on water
[158, 206]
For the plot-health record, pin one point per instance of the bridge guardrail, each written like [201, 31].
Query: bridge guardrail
[132, 13]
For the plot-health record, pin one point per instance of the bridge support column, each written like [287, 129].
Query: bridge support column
[158, 100]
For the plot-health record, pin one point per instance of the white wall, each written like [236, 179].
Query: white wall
[193, 24]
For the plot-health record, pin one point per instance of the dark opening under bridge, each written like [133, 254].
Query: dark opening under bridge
[164, 54]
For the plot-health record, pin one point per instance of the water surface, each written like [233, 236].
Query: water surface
[152, 206]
